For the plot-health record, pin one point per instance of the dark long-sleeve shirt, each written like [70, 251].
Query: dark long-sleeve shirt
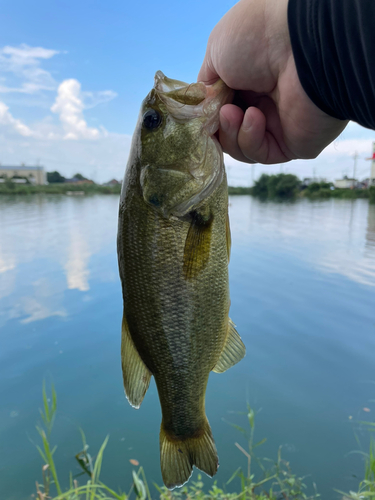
[333, 43]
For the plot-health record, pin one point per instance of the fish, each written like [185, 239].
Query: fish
[173, 252]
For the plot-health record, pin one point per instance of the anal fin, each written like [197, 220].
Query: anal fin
[233, 350]
[135, 373]
[177, 456]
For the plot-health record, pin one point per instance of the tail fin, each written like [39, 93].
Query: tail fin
[178, 457]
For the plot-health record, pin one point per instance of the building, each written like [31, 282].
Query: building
[345, 183]
[35, 175]
[76, 180]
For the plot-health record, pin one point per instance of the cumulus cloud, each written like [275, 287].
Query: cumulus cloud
[7, 120]
[69, 106]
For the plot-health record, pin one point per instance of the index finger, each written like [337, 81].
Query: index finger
[207, 73]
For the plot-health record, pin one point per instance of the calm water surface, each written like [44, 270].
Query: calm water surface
[302, 279]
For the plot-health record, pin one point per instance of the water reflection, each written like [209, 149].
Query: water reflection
[335, 236]
[43, 302]
[45, 248]
[370, 233]
[302, 288]
[76, 267]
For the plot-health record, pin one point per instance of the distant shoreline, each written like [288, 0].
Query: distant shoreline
[88, 189]
[66, 188]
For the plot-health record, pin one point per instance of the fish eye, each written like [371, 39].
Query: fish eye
[151, 119]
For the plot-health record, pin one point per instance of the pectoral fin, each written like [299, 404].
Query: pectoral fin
[135, 373]
[233, 350]
[197, 245]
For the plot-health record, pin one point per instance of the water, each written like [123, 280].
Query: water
[302, 286]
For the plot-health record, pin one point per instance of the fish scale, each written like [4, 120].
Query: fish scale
[173, 248]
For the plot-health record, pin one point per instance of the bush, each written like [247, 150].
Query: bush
[317, 186]
[276, 186]
[53, 177]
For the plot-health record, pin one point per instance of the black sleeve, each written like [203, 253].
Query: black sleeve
[333, 43]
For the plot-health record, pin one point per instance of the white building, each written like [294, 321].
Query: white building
[345, 183]
[35, 175]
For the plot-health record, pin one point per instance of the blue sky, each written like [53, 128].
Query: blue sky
[73, 75]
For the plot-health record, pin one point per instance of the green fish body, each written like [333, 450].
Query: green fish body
[173, 248]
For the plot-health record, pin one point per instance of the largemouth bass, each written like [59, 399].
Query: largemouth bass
[173, 249]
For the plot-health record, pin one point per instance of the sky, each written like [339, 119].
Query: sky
[73, 75]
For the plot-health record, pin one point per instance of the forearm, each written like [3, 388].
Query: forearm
[333, 44]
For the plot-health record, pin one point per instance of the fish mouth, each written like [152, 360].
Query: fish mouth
[187, 101]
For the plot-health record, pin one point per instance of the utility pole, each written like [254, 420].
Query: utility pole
[355, 164]
[372, 172]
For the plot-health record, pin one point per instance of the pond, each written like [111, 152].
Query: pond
[302, 278]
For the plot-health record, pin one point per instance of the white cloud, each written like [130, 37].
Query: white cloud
[69, 106]
[23, 62]
[7, 120]
[92, 99]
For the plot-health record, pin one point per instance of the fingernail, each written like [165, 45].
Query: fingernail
[224, 123]
[247, 121]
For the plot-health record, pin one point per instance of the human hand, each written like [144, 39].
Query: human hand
[275, 121]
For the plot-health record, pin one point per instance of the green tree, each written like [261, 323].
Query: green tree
[80, 177]
[279, 185]
[53, 177]
[261, 186]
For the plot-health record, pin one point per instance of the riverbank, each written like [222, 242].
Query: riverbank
[288, 186]
[58, 188]
[315, 193]
[65, 188]
[346, 194]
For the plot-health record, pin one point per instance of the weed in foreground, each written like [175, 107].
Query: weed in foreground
[281, 484]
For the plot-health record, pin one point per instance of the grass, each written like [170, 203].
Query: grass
[346, 194]
[274, 482]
